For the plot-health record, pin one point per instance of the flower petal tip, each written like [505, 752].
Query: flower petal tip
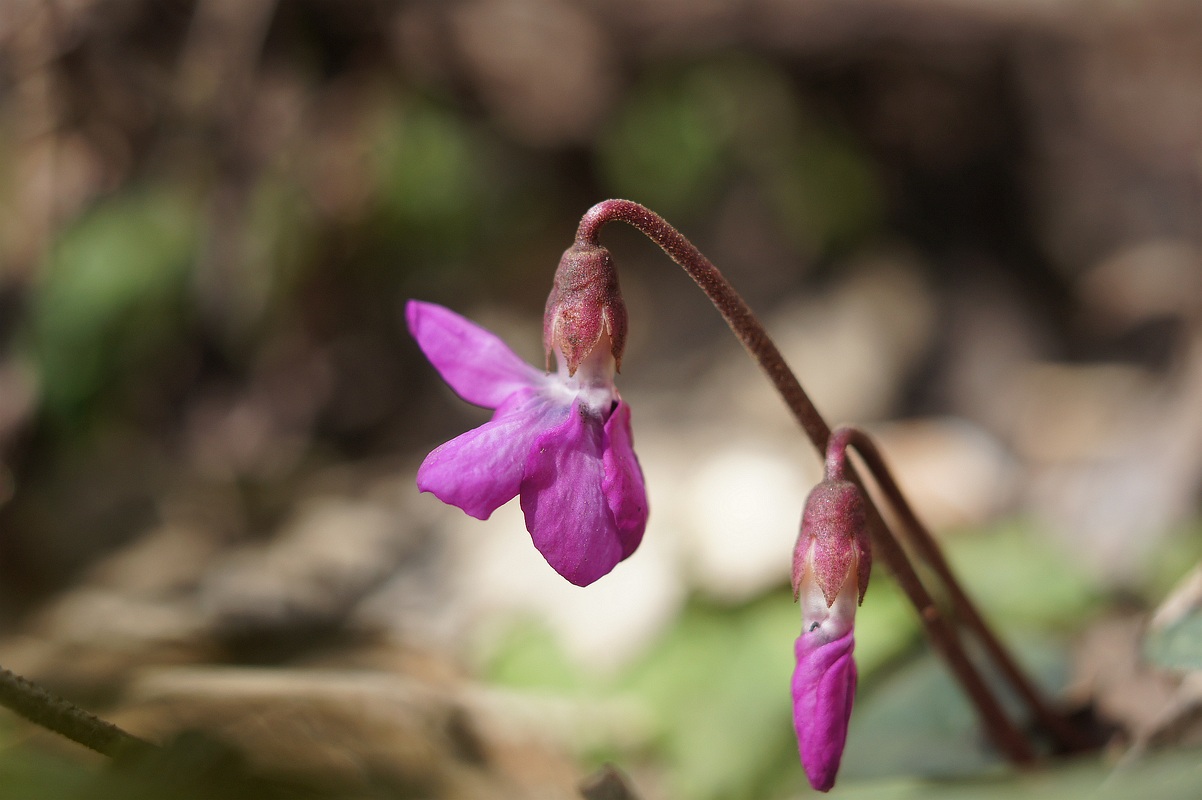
[824, 685]
[586, 577]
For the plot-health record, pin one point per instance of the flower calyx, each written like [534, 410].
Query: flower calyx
[833, 546]
[585, 302]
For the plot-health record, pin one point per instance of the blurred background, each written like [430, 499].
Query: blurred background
[975, 228]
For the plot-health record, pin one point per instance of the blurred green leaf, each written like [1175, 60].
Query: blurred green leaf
[823, 190]
[191, 767]
[719, 686]
[430, 170]
[1178, 645]
[530, 657]
[681, 134]
[668, 145]
[1164, 565]
[1174, 636]
[1022, 580]
[886, 626]
[917, 721]
[715, 687]
[28, 773]
[111, 293]
[1160, 776]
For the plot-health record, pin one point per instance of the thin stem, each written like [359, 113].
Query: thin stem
[1002, 730]
[35, 704]
[838, 468]
[941, 631]
[730, 305]
[836, 454]
[928, 550]
[748, 329]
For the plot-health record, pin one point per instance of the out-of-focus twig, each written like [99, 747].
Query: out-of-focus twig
[40, 707]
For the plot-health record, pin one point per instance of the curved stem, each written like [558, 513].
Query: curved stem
[738, 315]
[35, 704]
[750, 331]
[1002, 730]
[928, 550]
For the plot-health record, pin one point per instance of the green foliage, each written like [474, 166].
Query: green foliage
[429, 168]
[717, 685]
[715, 688]
[886, 626]
[193, 767]
[530, 657]
[916, 720]
[1163, 567]
[682, 135]
[667, 146]
[1021, 580]
[1163, 776]
[111, 295]
[1178, 645]
[31, 774]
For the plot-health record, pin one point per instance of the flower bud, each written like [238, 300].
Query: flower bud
[584, 303]
[831, 563]
[833, 541]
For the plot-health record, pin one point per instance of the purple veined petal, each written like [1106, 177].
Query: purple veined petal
[567, 512]
[623, 484]
[477, 365]
[824, 686]
[481, 470]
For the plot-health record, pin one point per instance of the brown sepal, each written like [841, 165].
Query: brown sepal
[834, 522]
[585, 301]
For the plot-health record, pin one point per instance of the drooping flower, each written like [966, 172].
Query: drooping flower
[562, 441]
[831, 563]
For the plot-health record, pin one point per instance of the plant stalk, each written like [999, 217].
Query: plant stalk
[943, 634]
[27, 699]
[1067, 738]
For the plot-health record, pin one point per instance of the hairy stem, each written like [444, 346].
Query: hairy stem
[1065, 735]
[738, 315]
[1004, 733]
[35, 704]
[750, 331]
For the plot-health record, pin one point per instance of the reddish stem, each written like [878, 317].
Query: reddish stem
[738, 315]
[920, 538]
[750, 331]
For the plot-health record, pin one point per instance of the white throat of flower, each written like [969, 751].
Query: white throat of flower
[818, 619]
[593, 383]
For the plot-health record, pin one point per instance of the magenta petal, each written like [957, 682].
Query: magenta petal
[482, 469]
[477, 365]
[567, 512]
[824, 685]
[623, 484]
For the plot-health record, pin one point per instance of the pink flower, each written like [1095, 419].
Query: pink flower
[831, 564]
[562, 441]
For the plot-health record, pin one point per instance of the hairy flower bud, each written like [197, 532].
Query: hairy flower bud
[831, 563]
[833, 540]
[584, 303]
